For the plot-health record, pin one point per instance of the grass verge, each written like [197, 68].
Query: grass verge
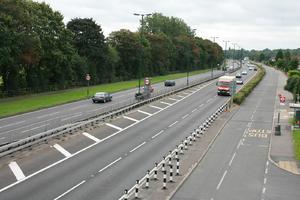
[296, 139]
[247, 89]
[26, 103]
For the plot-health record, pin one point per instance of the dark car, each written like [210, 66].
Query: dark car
[255, 69]
[169, 83]
[101, 97]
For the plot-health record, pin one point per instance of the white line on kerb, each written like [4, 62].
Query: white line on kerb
[157, 134]
[146, 113]
[91, 137]
[155, 107]
[14, 167]
[185, 116]
[230, 162]
[130, 118]
[62, 150]
[218, 187]
[110, 164]
[173, 124]
[114, 126]
[132, 150]
[69, 190]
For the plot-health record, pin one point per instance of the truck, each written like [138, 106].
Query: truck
[226, 85]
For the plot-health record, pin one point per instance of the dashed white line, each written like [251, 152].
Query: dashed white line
[146, 113]
[135, 148]
[155, 107]
[74, 116]
[185, 116]
[230, 162]
[208, 100]
[62, 150]
[169, 104]
[14, 167]
[173, 124]
[12, 124]
[107, 166]
[157, 134]
[47, 115]
[130, 118]
[114, 126]
[264, 190]
[201, 105]
[69, 190]
[91, 137]
[194, 110]
[34, 128]
[267, 163]
[266, 170]
[218, 186]
[265, 180]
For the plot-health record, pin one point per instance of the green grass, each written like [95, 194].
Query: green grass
[296, 139]
[21, 104]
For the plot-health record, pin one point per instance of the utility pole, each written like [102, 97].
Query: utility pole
[212, 69]
[233, 56]
[225, 52]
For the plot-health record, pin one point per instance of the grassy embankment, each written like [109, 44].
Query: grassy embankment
[21, 104]
[243, 93]
[296, 139]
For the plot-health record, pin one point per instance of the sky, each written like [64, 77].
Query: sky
[251, 24]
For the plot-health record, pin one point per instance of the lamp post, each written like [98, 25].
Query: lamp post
[233, 55]
[142, 32]
[225, 52]
[212, 69]
[188, 71]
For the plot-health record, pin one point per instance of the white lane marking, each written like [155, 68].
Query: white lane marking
[239, 144]
[77, 107]
[264, 190]
[266, 170]
[135, 148]
[74, 116]
[201, 105]
[208, 100]
[180, 96]
[14, 167]
[110, 164]
[185, 116]
[130, 118]
[194, 110]
[34, 128]
[62, 150]
[173, 99]
[157, 134]
[169, 104]
[218, 186]
[265, 180]
[230, 162]
[146, 113]
[2, 138]
[47, 115]
[267, 163]
[114, 126]
[69, 190]
[91, 137]
[186, 93]
[155, 107]
[12, 124]
[173, 124]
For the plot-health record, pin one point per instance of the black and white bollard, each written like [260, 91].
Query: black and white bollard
[170, 158]
[177, 167]
[185, 143]
[164, 180]
[176, 152]
[171, 173]
[201, 129]
[194, 135]
[181, 147]
[190, 140]
[136, 194]
[147, 179]
[155, 172]
[125, 196]
[163, 164]
[197, 132]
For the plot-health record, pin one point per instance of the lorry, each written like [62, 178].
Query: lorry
[226, 85]
[145, 91]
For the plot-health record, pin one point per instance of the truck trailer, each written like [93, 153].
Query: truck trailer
[226, 85]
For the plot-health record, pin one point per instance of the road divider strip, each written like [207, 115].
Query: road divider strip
[62, 150]
[16, 170]
[114, 126]
[91, 137]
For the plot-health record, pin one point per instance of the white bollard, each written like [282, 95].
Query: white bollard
[185, 143]
[181, 147]
[155, 172]
[194, 135]
[176, 152]
[136, 194]
[125, 196]
[163, 164]
[177, 167]
[147, 179]
[164, 180]
[190, 138]
[170, 158]
[171, 173]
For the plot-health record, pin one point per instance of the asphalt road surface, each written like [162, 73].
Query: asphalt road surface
[237, 165]
[124, 150]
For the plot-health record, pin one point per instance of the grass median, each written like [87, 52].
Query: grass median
[296, 139]
[26, 103]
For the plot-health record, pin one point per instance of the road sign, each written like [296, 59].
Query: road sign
[147, 81]
[282, 99]
[87, 77]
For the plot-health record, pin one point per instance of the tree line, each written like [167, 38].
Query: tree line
[38, 52]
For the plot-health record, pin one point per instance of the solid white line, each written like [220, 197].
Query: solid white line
[62, 150]
[132, 150]
[47, 115]
[157, 134]
[173, 124]
[14, 167]
[107, 166]
[194, 110]
[221, 180]
[264, 190]
[169, 104]
[130, 118]
[232, 159]
[12, 124]
[155, 107]
[34, 128]
[146, 113]
[173, 99]
[265, 180]
[114, 126]
[74, 116]
[185, 116]
[91, 137]
[69, 190]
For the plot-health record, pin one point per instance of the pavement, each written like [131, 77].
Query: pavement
[282, 147]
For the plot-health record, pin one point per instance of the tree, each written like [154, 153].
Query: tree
[279, 55]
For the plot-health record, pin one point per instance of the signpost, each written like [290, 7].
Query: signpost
[87, 78]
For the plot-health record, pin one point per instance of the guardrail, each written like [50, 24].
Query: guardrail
[93, 120]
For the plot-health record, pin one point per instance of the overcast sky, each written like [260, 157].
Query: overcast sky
[252, 24]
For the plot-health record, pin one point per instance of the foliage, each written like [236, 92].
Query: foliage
[296, 139]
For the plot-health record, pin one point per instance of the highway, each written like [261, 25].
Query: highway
[100, 164]
[237, 166]
[24, 125]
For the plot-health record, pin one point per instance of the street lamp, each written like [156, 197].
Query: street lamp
[225, 52]
[188, 71]
[212, 69]
[142, 32]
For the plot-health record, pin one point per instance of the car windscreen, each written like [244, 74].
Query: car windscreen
[223, 83]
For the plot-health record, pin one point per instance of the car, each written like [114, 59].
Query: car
[238, 75]
[169, 83]
[250, 68]
[255, 69]
[101, 97]
[239, 81]
[244, 72]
